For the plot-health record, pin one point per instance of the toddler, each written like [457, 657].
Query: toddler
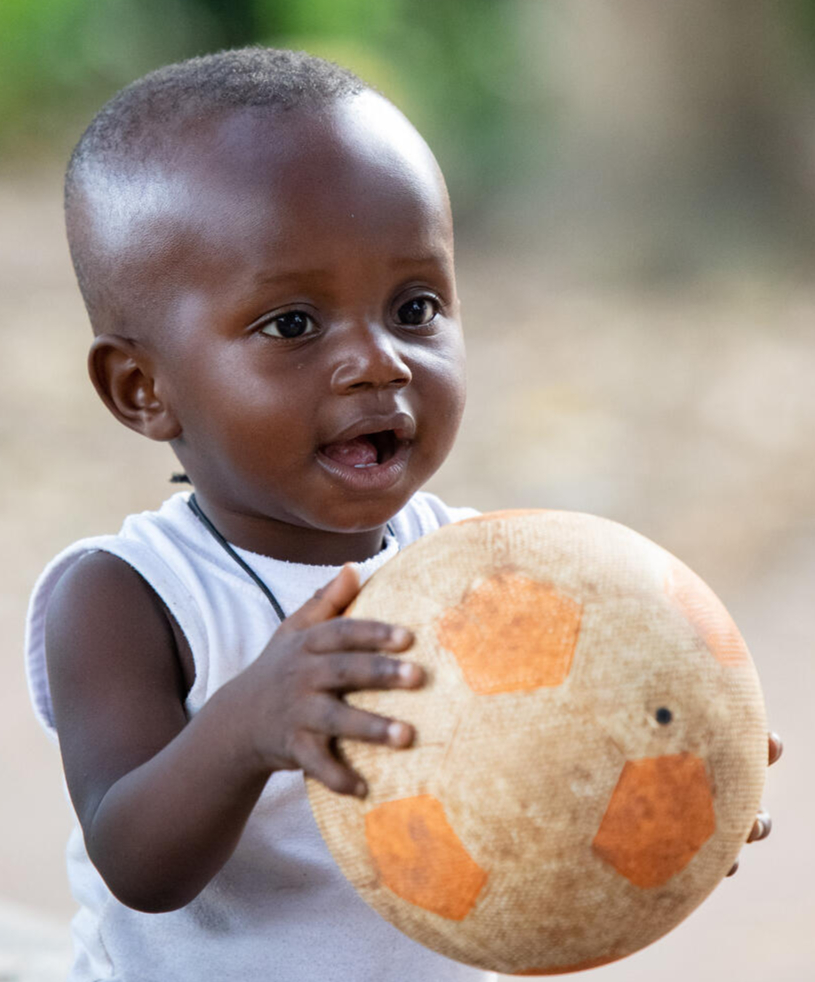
[265, 248]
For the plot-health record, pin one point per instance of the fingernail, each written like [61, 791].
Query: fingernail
[399, 635]
[408, 672]
[360, 790]
[397, 734]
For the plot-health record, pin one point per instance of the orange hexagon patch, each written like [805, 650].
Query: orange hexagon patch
[707, 614]
[421, 859]
[512, 633]
[659, 816]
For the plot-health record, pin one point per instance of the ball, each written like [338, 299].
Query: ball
[590, 752]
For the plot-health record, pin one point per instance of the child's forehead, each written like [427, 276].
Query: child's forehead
[359, 154]
[358, 138]
[251, 175]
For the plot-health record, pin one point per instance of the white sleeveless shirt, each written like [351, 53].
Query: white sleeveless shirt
[279, 909]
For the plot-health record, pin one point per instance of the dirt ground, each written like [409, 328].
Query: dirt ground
[689, 415]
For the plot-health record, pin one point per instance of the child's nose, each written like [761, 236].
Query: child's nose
[367, 357]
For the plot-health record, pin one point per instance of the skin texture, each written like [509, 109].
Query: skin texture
[332, 225]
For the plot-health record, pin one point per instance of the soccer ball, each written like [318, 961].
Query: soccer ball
[590, 753]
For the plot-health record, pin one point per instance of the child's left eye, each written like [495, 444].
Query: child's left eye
[418, 311]
[292, 324]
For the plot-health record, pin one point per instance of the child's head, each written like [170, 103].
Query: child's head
[265, 248]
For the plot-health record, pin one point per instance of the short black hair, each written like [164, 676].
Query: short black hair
[125, 131]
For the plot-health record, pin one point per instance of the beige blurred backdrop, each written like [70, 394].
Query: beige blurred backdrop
[640, 313]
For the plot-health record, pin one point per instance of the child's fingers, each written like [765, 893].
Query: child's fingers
[349, 671]
[334, 718]
[347, 633]
[776, 748]
[762, 827]
[312, 754]
[329, 601]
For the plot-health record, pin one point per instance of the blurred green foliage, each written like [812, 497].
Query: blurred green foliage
[455, 68]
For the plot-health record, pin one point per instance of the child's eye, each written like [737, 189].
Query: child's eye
[292, 324]
[417, 312]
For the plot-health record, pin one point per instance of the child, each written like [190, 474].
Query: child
[265, 248]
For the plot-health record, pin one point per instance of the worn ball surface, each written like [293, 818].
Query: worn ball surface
[591, 745]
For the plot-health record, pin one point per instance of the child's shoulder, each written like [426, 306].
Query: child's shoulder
[132, 570]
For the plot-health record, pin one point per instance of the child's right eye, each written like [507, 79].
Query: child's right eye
[292, 324]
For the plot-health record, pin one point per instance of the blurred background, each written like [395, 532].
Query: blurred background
[634, 188]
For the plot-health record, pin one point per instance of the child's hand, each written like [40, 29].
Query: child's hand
[163, 798]
[763, 824]
[298, 681]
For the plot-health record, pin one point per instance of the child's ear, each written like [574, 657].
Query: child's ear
[122, 372]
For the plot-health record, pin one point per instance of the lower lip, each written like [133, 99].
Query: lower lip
[380, 477]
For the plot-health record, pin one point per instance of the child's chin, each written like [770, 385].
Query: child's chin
[366, 516]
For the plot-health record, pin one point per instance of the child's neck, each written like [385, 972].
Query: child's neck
[292, 543]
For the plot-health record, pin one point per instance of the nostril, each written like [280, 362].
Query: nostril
[355, 378]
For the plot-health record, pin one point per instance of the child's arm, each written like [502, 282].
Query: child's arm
[162, 800]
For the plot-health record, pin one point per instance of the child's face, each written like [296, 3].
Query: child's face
[314, 303]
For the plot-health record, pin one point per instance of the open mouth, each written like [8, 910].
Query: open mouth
[366, 450]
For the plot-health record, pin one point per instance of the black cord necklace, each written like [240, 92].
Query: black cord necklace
[199, 513]
[196, 508]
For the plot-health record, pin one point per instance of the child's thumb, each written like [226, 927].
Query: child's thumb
[329, 601]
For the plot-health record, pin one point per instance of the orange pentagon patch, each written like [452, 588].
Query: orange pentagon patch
[659, 816]
[512, 633]
[707, 614]
[421, 859]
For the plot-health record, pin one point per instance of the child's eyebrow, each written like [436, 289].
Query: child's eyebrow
[291, 275]
[439, 258]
